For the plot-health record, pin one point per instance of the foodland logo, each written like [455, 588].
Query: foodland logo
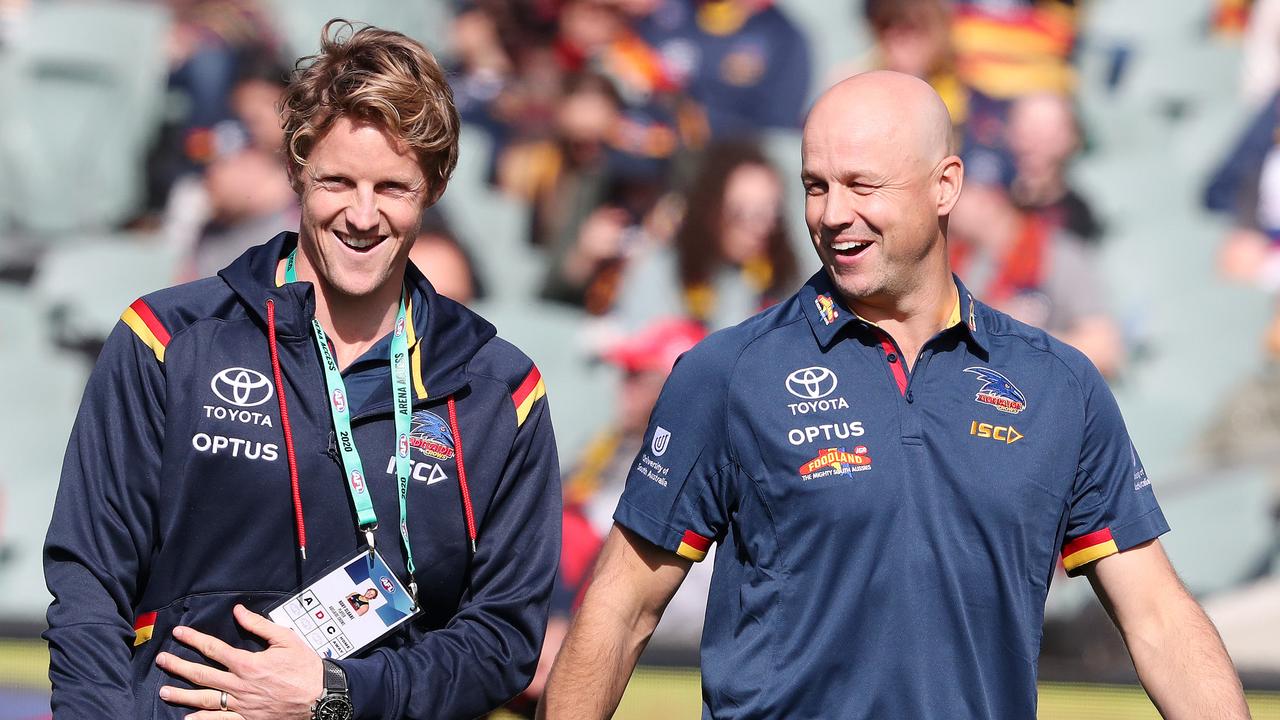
[838, 461]
[811, 383]
[242, 387]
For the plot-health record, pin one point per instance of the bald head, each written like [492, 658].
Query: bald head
[880, 179]
[900, 109]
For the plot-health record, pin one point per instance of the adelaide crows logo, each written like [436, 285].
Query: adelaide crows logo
[430, 435]
[998, 392]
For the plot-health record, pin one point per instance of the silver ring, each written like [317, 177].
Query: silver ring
[222, 701]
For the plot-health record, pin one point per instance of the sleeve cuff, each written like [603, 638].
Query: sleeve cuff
[368, 684]
[687, 544]
[1081, 551]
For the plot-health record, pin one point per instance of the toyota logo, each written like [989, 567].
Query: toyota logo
[811, 383]
[242, 387]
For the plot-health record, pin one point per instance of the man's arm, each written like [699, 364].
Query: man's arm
[1175, 648]
[99, 540]
[633, 582]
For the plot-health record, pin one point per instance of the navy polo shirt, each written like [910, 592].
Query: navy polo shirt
[886, 535]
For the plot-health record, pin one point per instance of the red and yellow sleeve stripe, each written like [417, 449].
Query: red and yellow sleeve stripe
[1087, 548]
[693, 546]
[142, 628]
[147, 327]
[530, 391]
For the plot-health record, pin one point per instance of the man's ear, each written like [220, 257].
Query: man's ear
[435, 192]
[948, 183]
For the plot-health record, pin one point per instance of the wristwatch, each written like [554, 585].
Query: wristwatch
[335, 703]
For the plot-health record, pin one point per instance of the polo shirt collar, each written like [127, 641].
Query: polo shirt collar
[828, 314]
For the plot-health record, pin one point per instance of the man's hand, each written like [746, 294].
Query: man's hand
[282, 681]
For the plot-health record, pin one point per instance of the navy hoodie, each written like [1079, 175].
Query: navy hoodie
[175, 501]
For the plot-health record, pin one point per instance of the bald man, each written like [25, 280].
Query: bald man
[891, 471]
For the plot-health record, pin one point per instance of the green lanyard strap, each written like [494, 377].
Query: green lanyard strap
[339, 408]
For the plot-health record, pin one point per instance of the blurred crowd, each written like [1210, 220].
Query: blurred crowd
[635, 132]
[632, 129]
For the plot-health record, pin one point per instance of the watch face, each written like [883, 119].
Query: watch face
[333, 707]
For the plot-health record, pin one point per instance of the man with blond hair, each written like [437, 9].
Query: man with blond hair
[890, 470]
[270, 441]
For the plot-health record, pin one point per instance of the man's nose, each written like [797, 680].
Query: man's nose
[362, 213]
[840, 209]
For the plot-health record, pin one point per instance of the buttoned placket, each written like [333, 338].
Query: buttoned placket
[904, 378]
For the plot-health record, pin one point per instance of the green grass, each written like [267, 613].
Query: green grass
[669, 694]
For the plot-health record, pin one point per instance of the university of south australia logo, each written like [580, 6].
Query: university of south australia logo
[998, 392]
[661, 440]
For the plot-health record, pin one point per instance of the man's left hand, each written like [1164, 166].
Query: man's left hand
[282, 681]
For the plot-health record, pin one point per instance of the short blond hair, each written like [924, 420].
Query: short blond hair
[377, 76]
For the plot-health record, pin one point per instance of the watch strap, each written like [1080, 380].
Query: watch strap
[335, 678]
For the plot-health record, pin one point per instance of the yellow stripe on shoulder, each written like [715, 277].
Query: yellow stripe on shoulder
[522, 410]
[140, 328]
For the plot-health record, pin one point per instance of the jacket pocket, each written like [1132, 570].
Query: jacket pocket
[209, 613]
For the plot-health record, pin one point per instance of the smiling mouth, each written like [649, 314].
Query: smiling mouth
[850, 248]
[358, 244]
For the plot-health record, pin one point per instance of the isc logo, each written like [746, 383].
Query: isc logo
[1000, 433]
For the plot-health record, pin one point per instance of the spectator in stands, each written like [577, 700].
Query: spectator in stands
[1260, 66]
[592, 199]
[439, 255]
[730, 256]
[594, 484]
[918, 37]
[1009, 48]
[1005, 49]
[1247, 188]
[743, 61]
[505, 76]
[206, 44]
[245, 193]
[914, 37]
[1020, 264]
[1043, 137]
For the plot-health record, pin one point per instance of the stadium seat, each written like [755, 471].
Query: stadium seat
[123, 267]
[300, 22]
[581, 391]
[493, 227]
[44, 389]
[84, 89]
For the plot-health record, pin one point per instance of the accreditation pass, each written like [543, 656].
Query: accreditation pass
[348, 609]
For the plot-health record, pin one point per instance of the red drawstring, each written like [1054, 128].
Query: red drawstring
[462, 472]
[288, 430]
[293, 461]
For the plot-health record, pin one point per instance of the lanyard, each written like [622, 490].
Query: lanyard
[366, 518]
